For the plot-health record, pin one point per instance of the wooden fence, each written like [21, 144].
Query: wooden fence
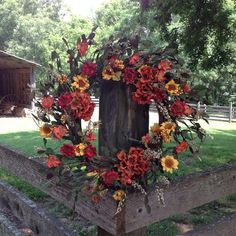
[182, 195]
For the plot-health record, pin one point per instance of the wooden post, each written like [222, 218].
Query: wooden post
[230, 112]
[121, 119]
[199, 106]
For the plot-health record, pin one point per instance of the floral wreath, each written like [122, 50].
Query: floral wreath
[155, 78]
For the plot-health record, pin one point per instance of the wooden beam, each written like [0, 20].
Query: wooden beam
[226, 226]
[183, 194]
[28, 212]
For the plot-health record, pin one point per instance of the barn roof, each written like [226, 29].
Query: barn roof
[9, 61]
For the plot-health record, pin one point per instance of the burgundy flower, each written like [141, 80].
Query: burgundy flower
[67, 150]
[159, 95]
[179, 108]
[47, 102]
[89, 69]
[90, 151]
[130, 75]
[110, 177]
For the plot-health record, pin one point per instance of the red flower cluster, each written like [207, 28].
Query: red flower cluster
[65, 100]
[132, 164]
[47, 102]
[179, 108]
[53, 161]
[89, 69]
[110, 177]
[80, 103]
[59, 131]
[144, 93]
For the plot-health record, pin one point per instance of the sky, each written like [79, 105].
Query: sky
[83, 7]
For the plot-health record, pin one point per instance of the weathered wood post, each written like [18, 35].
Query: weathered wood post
[121, 119]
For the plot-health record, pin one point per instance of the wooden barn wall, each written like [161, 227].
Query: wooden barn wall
[15, 81]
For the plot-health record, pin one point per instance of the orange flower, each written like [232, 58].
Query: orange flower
[81, 83]
[182, 147]
[59, 131]
[169, 163]
[133, 164]
[164, 65]
[53, 161]
[173, 88]
[45, 131]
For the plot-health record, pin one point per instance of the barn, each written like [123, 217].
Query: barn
[16, 80]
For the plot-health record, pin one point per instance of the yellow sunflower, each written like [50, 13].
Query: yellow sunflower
[108, 73]
[62, 79]
[155, 129]
[118, 195]
[173, 89]
[81, 83]
[166, 136]
[119, 64]
[168, 126]
[169, 163]
[79, 149]
[45, 131]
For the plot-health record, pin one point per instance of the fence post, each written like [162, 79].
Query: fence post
[230, 111]
[199, 106]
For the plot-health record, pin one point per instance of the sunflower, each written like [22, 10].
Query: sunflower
[168, 126]
[118, 195]
[166, 136]
[81, 83]
[118, 64]
[79, 149]
[108, 73]
[62, 79]
[173, 89]
[155, 129]
[169, 163]
[45, 131]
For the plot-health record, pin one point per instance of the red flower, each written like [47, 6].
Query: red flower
[82, 105]
[82, 47]
[65, 100]
[143, 94]
[110, 177]
[182, 147]
[53, 161]
[90, 151]
[134, 59]
[164, 65]
[47, 102]
[59, 131]
[180, 108]
[130, 75]
[159, 95]
[186, 88]
[90, 136]
[147, 74]
[89, 69]
[68, 150]
[160, 76]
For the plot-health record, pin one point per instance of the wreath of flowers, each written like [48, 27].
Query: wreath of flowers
[155, 78]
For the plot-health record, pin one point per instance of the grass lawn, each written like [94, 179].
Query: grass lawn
[219, 148]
